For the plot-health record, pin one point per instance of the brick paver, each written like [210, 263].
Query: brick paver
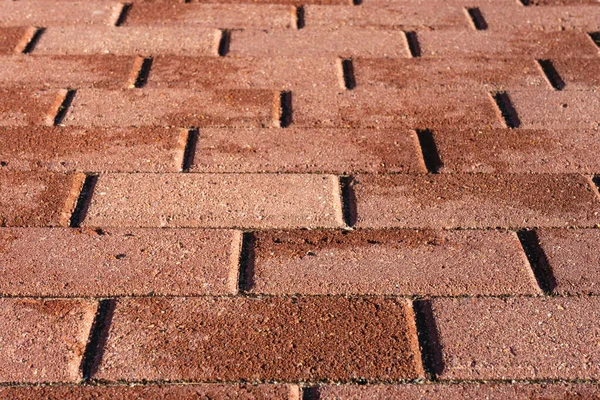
[43, 340]
[22, 107]
[11, 37]
[48, 13]
[281, 339]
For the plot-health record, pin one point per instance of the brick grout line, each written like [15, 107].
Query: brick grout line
[537, 261]
[505, 109]
[139, 72]
[72, 199]
[28, 41]
[59, 108]
[120, 13]
[551, 74]
[429, 154]
[476, 18]
[82, 200]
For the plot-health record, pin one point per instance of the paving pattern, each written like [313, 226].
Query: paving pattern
[300, 199]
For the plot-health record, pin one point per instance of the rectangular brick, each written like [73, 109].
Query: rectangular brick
[268, 339]
[240, 16]
[118, 262]
[154, 392]
[177, 108]
[518, 150]
[38, 198]
[475, 201]
[390, 262]
[400, 16]
[11, 39]
[49, 13]
[510, 44]
[22, 107]
[452, 73]
[558, 2]
[394, 108]
[300, 150]
[572, 258]
[216, 200]
[243, 72]
[43, 340]
[291, 2]
[97, 71]
[509, 18]
[578, 73]
[344, 42]
[539, 109]
[461, 391]
[128, 41]
[66, 149]
[518, 338]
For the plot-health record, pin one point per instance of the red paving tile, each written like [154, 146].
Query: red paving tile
[43, 340]
[518, 338]
[271, 339]
[390, 262]
[299, 199]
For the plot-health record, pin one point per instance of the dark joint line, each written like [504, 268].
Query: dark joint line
[551, 74]
[507, 110]
[190, 150]
[413, 44]
[224, 42]
[477, 18]
[429, 150]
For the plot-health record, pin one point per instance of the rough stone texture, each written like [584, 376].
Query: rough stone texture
[307, 150]
[43, 340]
[578, 73]
[319, 43]
[394, 108]
[272, 339]
[105, 71]
[48, 13]
[240, 16]
[211, 73]
[456, 73]
[118, 262]
[475, 201]
[216, 200]
[573, 258]
[22, 106]
[66, 149]
[153, 392]
[518, 150]
[518, 338]
[539, 109]
[465, 391]
[399, 16]
[38, 198]
[10, 38]
[390, 262]
[559, 2]
[519, 44]
[179, 108]
[124, 40]
[547, 19]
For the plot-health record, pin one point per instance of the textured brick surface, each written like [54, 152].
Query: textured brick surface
[48, 13]
[557, 110]
[282, 339]
[390, 262]
[10, 37]
[474, 391]
[518, 338]
[307, 150]
[461, 73]
[153, 392]
[43, 340]
[585, 18]
[179, 108]
[216, 200]
[105, 71]
[578, 73]
[129, 40]
[118, 262]
[38, 198]
[212, 15]
[573, 259]
[23, 107]
[63, 149]
[475, 201]
[518, 150]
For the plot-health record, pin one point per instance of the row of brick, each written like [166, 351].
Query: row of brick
[321, 150]
[285, 73]
[412, 16]
[267, 201]
[299, 339]
[346, 41]
[260, 108]
[63, 262]
[463, 3]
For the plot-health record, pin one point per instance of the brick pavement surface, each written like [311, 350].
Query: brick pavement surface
[289, 199]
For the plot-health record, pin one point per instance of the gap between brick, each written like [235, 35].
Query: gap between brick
[59, 108]
[348, 73]
[429, 151]
[283, 111]
[246, 263]
[477, 19]
[595, 36]
[189, 152]
[429, 341]
[552, 76]
[537, 260]
[94, 350]
[121, 14]
[413, 44]
[224, 42]
[29, 40]
[349, 213]
[140, 72]
[507, 111]
[84, 200]
[300, 23]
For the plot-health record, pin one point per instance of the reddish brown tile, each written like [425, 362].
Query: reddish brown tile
[547, 19]
[49, 13]
[43, 340]
[11, 38]
[272, 339]
[24, 107]
[578, 73]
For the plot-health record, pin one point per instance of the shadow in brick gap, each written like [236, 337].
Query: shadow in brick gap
[94, 350]
[538, 260]
[431, 350]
